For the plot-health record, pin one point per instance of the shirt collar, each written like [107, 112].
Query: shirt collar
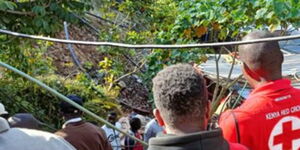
[3, 125]
[271, 87]
[73, 120]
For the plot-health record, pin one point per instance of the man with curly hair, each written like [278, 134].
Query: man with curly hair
[183, 108]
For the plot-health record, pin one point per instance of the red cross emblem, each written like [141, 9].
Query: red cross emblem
[286, 134]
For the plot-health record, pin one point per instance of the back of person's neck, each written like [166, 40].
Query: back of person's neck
[69, 117]
[134, 131]
[266, 80]
[72, 121]
[184, 129]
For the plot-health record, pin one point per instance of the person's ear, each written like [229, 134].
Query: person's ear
[158, 117]
[246, 70]
[250, 75]
[250, 72]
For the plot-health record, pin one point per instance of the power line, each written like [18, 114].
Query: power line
[149, 46]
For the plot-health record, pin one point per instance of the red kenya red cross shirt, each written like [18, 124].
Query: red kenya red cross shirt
[268, 119]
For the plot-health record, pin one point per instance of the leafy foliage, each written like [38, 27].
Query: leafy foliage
[19, 95]
[34, 17]
[39, 17]
[214, 20]
[231, 17]
[196, 21]
[132, 21]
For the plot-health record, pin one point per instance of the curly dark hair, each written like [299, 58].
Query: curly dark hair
[135, 124]
[180, 93]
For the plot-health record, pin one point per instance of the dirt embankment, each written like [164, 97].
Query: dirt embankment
[87, 55]
[134, 94]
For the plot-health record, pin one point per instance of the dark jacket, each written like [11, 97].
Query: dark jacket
[205, 140]
[85, 136]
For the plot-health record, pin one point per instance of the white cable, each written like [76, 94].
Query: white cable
[149, 46]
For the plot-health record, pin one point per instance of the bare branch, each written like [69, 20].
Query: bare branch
[217, 59]
[102, 19]
[233, 62]
[134, 63]
[224, 89]
[130, 73]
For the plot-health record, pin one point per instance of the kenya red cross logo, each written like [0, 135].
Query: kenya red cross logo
[285, 134]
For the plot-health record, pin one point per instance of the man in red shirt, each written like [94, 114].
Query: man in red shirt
[270, 117]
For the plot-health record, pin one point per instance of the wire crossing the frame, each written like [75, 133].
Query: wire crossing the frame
[149, 46]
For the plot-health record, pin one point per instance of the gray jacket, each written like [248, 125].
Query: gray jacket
[27, 139]
[151, 130]
[206, 140]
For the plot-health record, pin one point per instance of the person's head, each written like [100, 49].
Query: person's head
[144, 122]
[69, 111]
[135, 124]
[3, 113]
[181, 99]
[112, 117]
[261, 61]
[24, 120]
[126, 110]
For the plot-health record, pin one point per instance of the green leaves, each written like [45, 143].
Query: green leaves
[294, 13]
[40, 17]
[280, 7]
[39, 10]
[234, 16]
[261, 13]
[7, 5]
[217, 20]
[20, 95]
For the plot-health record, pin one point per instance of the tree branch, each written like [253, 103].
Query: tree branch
[233, 62]
[24, 13]
[217, 59]
[108, 21]
[224, 89]
[134, 63]
[130, 73]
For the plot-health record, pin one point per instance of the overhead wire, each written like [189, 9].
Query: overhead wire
[123, 45]
[149, 46]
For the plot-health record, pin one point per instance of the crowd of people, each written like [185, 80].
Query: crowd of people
[268, 119]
